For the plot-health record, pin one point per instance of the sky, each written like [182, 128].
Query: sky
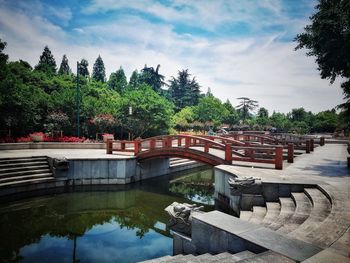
[238, 48]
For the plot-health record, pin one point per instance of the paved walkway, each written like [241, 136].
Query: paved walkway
[68, 153]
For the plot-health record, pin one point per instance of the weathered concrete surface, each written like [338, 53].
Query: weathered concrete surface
[217, 232]
[326, 169]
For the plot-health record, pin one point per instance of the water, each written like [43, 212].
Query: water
[117, 224]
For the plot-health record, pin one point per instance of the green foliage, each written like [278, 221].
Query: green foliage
[326, 121]
[64, 67]
[184, 118]
[98, 72]
[83, 68]
[210, 109]
[280, 121]
[134, 79]
[117, 81]
[47, 62]
[152, 78]
[246, 106]
[232, 118]
[151, 113]
[328, 39]
[184, 91]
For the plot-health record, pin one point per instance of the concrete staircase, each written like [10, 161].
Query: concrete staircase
[225, 257]
[175, 162]
[314, 216]
[24, 170]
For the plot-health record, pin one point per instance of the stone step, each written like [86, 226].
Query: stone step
[33, 163]
[267, 257]
[182, 164]
[22, 159]
[258, 215]
[273, 210]
[243, 255]
[24, 177]
[178, 160]
[20, 173]
[23, 168]
[245, 215]
[24, 182]
[157, 260]
[321, 209]
[287, 211]
[302, 211]
[180, 259]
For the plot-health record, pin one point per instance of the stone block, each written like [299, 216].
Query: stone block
[103, 181]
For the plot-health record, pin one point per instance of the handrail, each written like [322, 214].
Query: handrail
[233, 150]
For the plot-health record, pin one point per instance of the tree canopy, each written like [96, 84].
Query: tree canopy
[83, 68]
[117, 81]
[328, 39]
[64, 67]
[183, 90]
[99, 72]
[47, 62]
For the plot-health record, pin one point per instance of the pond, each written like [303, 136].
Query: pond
[99, 224]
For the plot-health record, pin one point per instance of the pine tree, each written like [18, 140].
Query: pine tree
[47, 62]
[117, 81]
[64, 68]
[183, 90]
[134, 79]
[98, 72]
[83, 68]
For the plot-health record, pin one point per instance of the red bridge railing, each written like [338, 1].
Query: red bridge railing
[223, 149]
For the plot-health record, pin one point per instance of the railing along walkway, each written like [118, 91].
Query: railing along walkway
[214, 150]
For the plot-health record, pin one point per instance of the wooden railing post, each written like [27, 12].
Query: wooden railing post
[109, 146]
[137, 147]
[152, 144]
[322, 141]
[179, 141]
[122, 146]
[206, 147]
[187, 142]
[279, 157]
[228, 153]
[312, 145]
[307, 143]
[164, 142]
[290, 152]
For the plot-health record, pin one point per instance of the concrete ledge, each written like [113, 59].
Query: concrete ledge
[215, 231]
[51, 145]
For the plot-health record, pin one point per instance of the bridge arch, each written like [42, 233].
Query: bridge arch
[187, 153]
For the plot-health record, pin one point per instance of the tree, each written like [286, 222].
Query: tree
[64, 68]
[98, 72]
[3, 57]
[47, 62]
[210, 110]
[134, 79]
[246, 106]
[328, 39]
[152, 78]
[232, 117]
[151, 113]
[184, 91]
[280, 121]
[83, 68]
[117, 81]
[263, 117]
[184, 118]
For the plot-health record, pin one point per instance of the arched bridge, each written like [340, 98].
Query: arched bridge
[211, 150]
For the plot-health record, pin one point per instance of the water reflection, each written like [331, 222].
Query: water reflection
[110, 226]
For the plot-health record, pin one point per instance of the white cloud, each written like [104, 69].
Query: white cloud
[263, 68]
